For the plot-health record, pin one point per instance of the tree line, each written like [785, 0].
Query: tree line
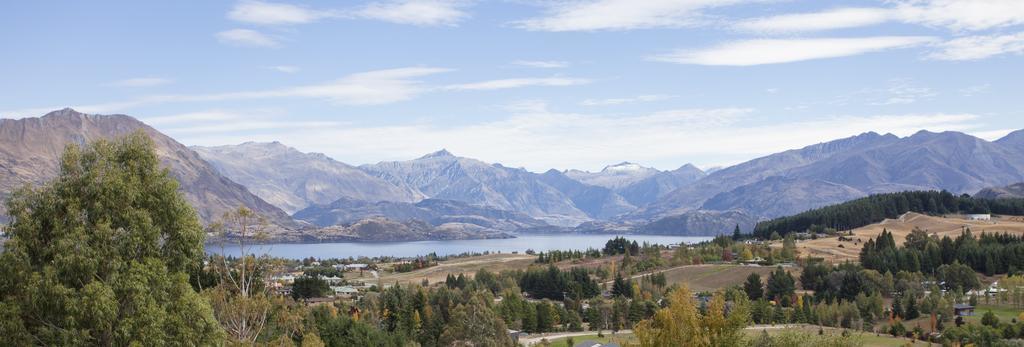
[875, 208]
[989, 253]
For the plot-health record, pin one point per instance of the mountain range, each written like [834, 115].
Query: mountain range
[293, 180]
[30, 150]
[441, 195]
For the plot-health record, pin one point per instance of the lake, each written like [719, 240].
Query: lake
[539, 243]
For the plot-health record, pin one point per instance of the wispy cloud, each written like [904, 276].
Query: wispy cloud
[901, 92]
[621, 14]
[629, 100]
[247, 38]
[416, 12]
[542, 64]
[979, 47]
[518, 83]
[218, 121]
[139, 82]
[954, 15]
[269, 13]
[776, 51]
[962, 15]
[827, 20]
[284, 68]
[975, 90]
[359, 89]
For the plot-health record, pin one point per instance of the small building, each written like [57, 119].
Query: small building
[345, 291]
[286, 279]
[979, 216]
[963, 310]
[332, 280]
[356, 266]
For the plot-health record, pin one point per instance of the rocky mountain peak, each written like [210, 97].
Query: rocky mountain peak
[443, 153]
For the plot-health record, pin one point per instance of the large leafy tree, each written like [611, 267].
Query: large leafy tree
[100, 255]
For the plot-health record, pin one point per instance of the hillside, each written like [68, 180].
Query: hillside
[848, 168]
[293, 180]
[836, 251]
[1012, 191]
[30, 150]
[875, 208]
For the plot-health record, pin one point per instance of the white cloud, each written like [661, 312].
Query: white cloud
[776, 51]
[416, 12]
[621, 14]
[190, 117]
[230, 121]
[246, 37]
[901, 92]
[630, 100]
[979, 47]
[268, 13]
[139, 82]
[975, 90]
[284, 68]
[832, 19]
[535, 137]
[962, 15]
[543, 64]
[364, 88]
[518, 83]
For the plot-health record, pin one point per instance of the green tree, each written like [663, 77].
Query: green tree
[781, 286]
[753, 287]
[101, 255]
[990, 319]
[309, 287]
[474, 324]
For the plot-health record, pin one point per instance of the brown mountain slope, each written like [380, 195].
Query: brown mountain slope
[30, 149]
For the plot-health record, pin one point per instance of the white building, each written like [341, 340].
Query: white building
[979, 216]
[347, 291]
[332, 280]
[355, 266]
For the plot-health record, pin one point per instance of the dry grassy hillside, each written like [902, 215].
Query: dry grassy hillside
[831, 249]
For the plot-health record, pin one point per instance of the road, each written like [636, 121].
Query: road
[533, 340]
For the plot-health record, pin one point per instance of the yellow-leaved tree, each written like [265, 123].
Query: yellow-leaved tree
[681, 324]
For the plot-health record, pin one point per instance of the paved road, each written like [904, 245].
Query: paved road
[535, 339]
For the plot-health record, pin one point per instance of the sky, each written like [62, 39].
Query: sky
[534, 84]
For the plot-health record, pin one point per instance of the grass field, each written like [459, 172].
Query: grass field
[621, 339]
[1005, 313]
[468, 266]
[837, 251]
[711, 277]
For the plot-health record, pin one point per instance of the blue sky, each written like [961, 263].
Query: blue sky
[534, 84]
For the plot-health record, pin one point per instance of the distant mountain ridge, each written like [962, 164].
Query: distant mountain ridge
[793, 181]
[465, 197]
[432, 211]
[442, 175]
[1013, 191]
[293, 180]
[30, 150]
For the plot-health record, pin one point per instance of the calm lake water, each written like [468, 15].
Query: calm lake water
[413, 248]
